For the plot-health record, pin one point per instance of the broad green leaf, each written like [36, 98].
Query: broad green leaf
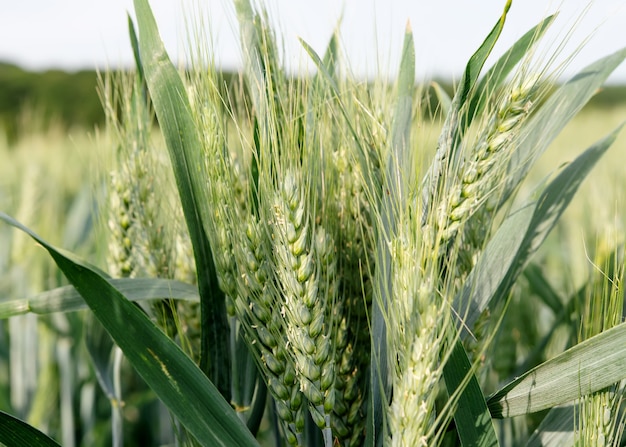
[544, 126]
[521, 234]
[177, 124]
[589, 366]
[449, 136]
[172, 375]
[478, 59]
[67, 298]
[15, 432]
[472, 417]
[556, 429]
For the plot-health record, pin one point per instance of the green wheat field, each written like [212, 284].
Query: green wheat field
[318, 260]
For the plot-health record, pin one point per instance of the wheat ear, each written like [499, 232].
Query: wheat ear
[351, 224]
[304, 307]
[258, 310]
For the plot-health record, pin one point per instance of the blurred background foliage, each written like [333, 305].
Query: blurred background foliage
[70, 99]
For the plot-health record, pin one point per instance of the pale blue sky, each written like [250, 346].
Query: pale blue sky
[92, 33]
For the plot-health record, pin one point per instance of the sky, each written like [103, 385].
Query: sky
[76, 34]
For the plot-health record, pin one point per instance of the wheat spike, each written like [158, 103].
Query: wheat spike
[257, 309]
[304, 307]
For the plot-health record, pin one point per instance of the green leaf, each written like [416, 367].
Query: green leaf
[521, 234]
[134, 43]
[556, 429]
[398, 164]
[472, 417]
[177, 124]
[172, 375]
[67, 298]
[589, 366]
[478, 59]
[15, 432]
[543, 127]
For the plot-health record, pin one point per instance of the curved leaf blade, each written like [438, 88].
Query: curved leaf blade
[556, 429]
[472, 417]
[478, 59]
[587, 367]
[177, 124]
[14, 431]
[174, 377]
[67, 298]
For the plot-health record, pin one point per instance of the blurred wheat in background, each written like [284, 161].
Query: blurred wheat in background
[317, 259]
